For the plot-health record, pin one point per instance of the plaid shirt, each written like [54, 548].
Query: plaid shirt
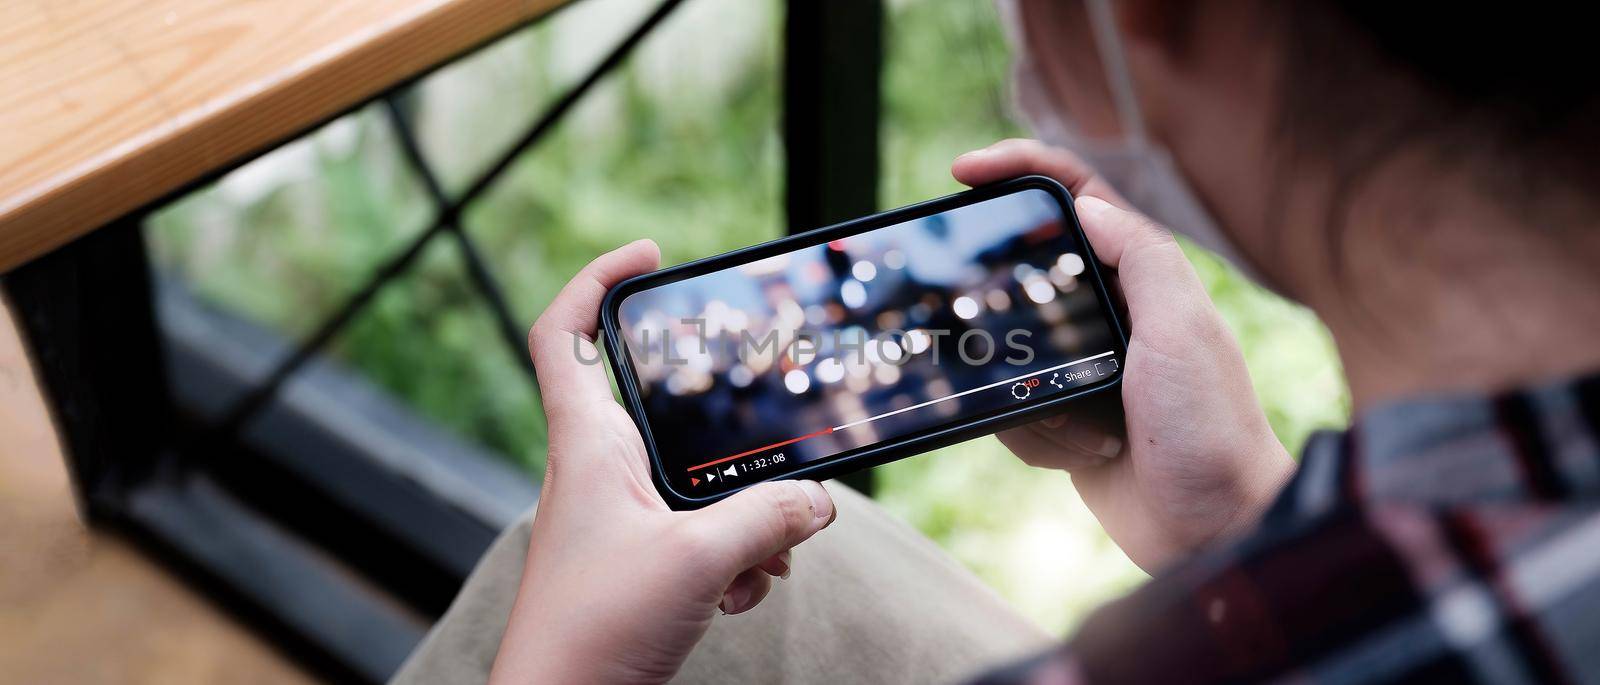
[1442, 540]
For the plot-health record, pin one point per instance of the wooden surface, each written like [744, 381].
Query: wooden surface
[81, 606]
[111, 104]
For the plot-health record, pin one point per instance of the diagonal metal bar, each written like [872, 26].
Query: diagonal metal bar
[477, 268]
[258, 397]
[553, 115]
[252, 402]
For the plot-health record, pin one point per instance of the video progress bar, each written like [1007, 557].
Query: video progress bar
[928, 403]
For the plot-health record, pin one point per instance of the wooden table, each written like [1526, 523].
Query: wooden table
[111, 105]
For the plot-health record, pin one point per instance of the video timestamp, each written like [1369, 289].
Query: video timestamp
[763, 462]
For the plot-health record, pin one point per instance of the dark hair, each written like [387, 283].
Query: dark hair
[1532, 65]
[1518, 83]
[1511, 97]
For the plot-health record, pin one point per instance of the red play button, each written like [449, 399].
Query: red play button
[694, 481]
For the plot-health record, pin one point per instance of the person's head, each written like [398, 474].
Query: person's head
[1314, 130]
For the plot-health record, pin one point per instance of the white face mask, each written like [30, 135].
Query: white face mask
[1135, 165]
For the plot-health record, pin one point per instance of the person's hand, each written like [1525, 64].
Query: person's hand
[1190, 459]
[617, 587]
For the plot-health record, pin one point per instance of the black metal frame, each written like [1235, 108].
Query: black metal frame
[833, 54]
[339, 556]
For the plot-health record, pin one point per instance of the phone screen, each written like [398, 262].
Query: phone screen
[760, 370]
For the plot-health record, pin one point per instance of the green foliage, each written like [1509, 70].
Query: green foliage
[691, 158]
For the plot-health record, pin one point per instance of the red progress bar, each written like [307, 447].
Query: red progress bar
[790, 441]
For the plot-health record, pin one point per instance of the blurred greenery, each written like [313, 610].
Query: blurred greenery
[682, 145]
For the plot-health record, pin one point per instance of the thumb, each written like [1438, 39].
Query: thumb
[766, 519]
[1151, 268]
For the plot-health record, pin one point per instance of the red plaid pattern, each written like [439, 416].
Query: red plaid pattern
[1445, 540]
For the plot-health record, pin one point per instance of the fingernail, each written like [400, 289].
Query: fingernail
[1053, 421]
[733, 600]
[1074, 461]
[786, 558]
[821, 504]
[1092, 205]
[1110, 447]
[1100, 448]
[973, 153]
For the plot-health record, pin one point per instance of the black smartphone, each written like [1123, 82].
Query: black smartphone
[861, 343]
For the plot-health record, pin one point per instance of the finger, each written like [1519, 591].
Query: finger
[763, 520]
[1040, 452]
[1019, 157]
[1081, 436]
[1102, 410]
[1152, 271]
[779, 564]
[746, 591]
[562, 340]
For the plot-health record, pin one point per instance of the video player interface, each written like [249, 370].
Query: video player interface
[753, 372]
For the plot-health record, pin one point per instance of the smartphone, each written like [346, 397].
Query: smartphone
[854, 345]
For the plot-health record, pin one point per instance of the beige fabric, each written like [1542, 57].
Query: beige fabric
[870, 600]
